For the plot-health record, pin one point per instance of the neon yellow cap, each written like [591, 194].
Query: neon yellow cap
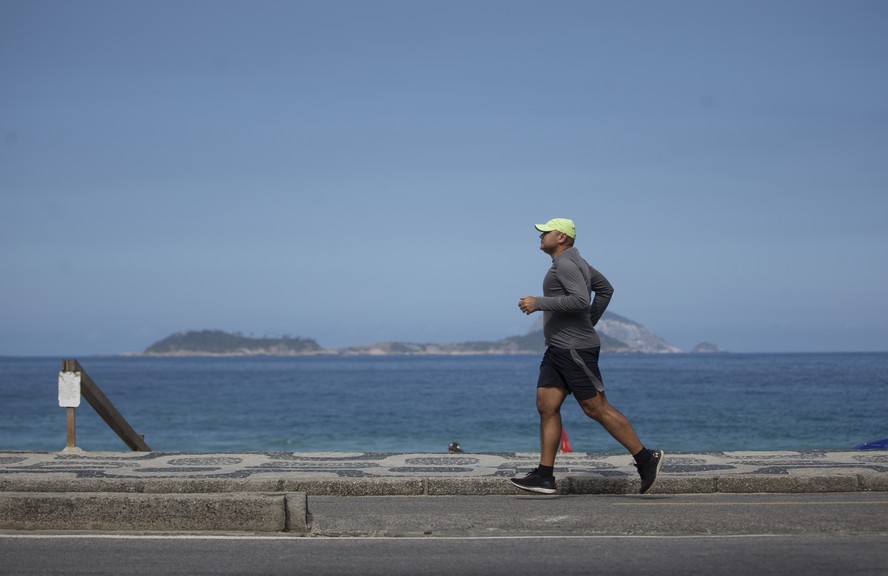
[563, 225]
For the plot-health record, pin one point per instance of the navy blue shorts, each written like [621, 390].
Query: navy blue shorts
[573, 369]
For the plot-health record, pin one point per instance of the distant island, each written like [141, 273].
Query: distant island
[618, 335]
[217, 342]
[706, 348]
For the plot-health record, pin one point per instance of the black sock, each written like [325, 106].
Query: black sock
[643, 456]
[546, 471]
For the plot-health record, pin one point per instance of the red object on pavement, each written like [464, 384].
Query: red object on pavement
[565, 443]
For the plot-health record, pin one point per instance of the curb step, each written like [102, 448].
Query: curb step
[115, 511]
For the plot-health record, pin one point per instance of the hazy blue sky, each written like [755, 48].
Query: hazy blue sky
[363, 171]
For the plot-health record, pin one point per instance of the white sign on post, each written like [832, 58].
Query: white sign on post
[69, 389]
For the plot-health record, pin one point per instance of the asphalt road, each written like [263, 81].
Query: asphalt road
[813, 555]
[815, 534]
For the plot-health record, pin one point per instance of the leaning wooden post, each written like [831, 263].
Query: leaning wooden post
[104, 407]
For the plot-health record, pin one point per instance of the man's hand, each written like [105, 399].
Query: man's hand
[527, 304]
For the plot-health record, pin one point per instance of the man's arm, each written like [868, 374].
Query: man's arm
[574, 284]
[603, 292]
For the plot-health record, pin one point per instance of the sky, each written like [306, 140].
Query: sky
[361, 171]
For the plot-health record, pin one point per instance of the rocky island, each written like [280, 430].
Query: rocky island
[618, 335]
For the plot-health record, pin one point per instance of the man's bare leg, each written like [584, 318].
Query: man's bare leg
[549, 401]
[600, 410]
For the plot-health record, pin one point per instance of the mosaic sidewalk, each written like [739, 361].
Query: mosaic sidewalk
[433, 474]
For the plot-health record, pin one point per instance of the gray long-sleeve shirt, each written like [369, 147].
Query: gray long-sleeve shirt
[568, 317]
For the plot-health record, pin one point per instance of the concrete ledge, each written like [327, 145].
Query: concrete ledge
[469, 487]
[873, 482]
[357, 487]
[664, 485]
[362, 487]
[242, 512]
[787, 484]
[437, 486]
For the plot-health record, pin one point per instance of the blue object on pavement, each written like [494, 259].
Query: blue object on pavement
[874, 445]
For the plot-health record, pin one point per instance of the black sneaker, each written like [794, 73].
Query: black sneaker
[533, 482]
[649, 471]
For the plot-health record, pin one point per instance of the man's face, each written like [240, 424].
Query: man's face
[549, 241]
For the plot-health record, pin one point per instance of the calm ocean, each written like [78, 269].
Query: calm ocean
[680, 402]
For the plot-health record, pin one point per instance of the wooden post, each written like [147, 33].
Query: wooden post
[106, 409]
[71, 436]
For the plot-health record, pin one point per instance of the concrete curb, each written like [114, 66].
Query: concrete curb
[452, 486]
[114, 511]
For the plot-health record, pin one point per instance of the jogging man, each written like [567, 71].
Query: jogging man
[570, 364]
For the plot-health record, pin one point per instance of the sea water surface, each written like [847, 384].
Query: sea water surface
[678, 402]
